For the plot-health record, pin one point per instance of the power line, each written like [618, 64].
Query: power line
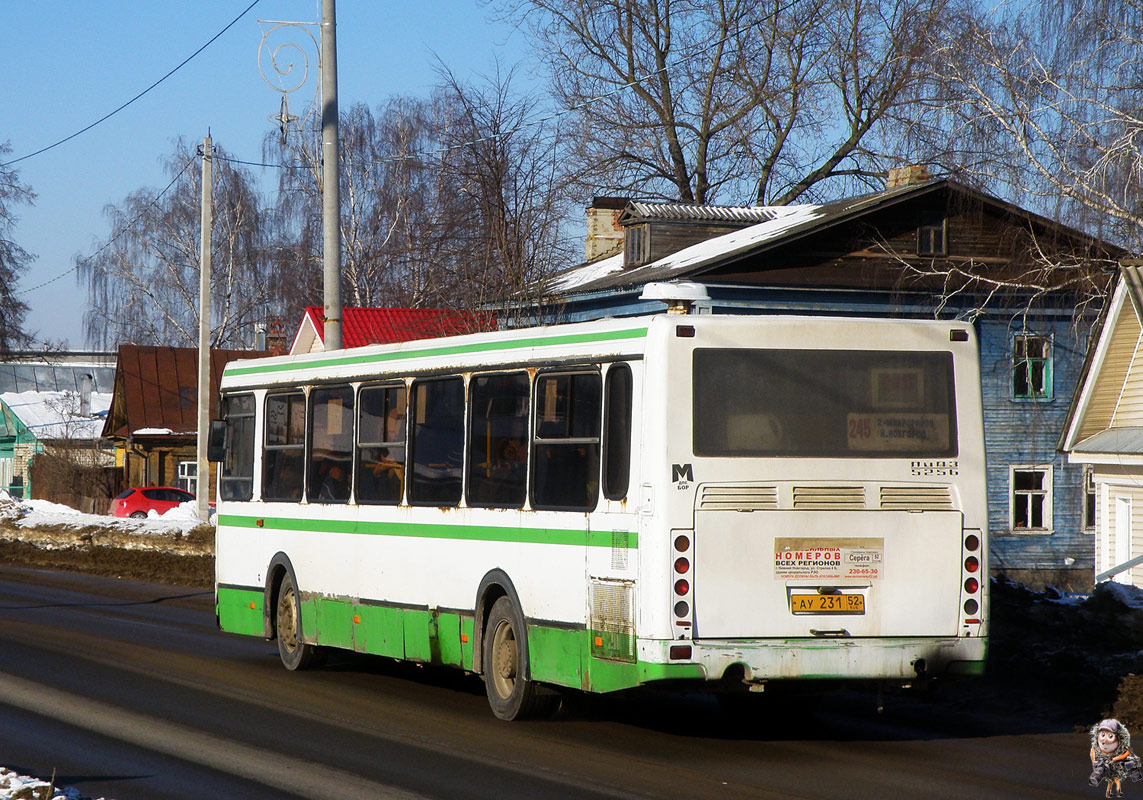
[108, 116]
[122, 231]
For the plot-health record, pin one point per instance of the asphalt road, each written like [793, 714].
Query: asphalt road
[128, 691]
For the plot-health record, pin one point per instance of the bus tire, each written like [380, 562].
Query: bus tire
[295, 653]
[511, 695]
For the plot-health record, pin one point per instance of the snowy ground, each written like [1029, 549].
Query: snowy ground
[37, 519]
[21, 787]
[43, 514]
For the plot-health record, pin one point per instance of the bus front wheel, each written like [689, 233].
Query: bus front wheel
[511, 695]
[295, 653]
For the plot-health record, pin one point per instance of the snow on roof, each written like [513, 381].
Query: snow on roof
[784, 218]
[55, 415]
[152, 432]
[587, 273]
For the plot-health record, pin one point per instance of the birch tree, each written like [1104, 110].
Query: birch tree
[452, 201]
[1044, 102]
[143, 280]
[14, 260]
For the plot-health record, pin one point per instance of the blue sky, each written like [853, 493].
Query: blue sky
[66, 64]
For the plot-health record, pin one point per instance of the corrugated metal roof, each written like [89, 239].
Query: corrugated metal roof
[362, 326]
[1113, 441]
[22, 376]
[157, 387]
[747, 215]
[54, 415]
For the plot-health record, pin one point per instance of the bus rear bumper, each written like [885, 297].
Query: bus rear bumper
[758, 660]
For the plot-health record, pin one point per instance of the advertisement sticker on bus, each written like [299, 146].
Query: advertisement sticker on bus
[828, 558]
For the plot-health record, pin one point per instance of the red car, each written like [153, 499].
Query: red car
[137, 502]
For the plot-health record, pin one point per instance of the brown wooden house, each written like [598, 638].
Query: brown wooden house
[920, 248]
[153, 420]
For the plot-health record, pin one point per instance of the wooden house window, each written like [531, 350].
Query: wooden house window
[636, 246]
[932, 239]
[1030, 499]
[1031, 367]
[188, 477]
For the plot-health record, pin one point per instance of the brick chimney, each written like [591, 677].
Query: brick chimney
[906, 176]
[604, 235]
[276, 338]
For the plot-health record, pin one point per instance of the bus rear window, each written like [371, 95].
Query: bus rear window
[824, 403]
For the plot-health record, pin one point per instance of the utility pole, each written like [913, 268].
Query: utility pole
[331, 198]
[202, 488]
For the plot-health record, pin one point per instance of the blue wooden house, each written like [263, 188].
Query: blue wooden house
[919, 249]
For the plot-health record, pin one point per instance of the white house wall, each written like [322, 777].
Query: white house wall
[1113, 482]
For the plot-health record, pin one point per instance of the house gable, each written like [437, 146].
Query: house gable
[1107, 386]
[365, 326]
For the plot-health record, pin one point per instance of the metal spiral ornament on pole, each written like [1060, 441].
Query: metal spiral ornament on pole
[286, 81]
[285, 66]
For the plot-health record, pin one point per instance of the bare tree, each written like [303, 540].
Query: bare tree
[693, 99]
[1044, 101]
[14, 259]
[513, 201]
[451, 201]
[143, 281]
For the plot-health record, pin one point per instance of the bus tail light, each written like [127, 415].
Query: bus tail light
[971, 585]
[972, 564]
[680, 651]
[682, 608]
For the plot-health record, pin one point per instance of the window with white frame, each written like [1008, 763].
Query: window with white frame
[1031, 367]
[1088, 500]
[188, 477]
[1030, 499]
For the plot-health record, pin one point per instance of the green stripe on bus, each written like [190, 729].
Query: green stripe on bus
[475, 533]
[559, 656]
[240, 611]
[449, 350]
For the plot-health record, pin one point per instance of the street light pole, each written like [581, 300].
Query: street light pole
[331, 199]
[202, 481]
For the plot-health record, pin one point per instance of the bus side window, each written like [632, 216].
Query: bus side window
[565, 449]
[331, 444]
[617, 432]
[236, 472]
[436, 442]
[498, 440]
[282, 452]
[380, 470]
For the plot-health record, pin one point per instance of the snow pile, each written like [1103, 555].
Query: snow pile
[1129, 596]
[44, 514]
[14, 786]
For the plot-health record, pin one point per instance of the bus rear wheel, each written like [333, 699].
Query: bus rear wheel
[295, 653]
[511, 695]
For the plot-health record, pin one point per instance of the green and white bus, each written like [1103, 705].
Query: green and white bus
[697, 500]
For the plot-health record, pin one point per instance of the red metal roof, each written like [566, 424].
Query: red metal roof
[362, 326]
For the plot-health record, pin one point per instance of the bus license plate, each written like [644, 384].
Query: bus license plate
[827, 604]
